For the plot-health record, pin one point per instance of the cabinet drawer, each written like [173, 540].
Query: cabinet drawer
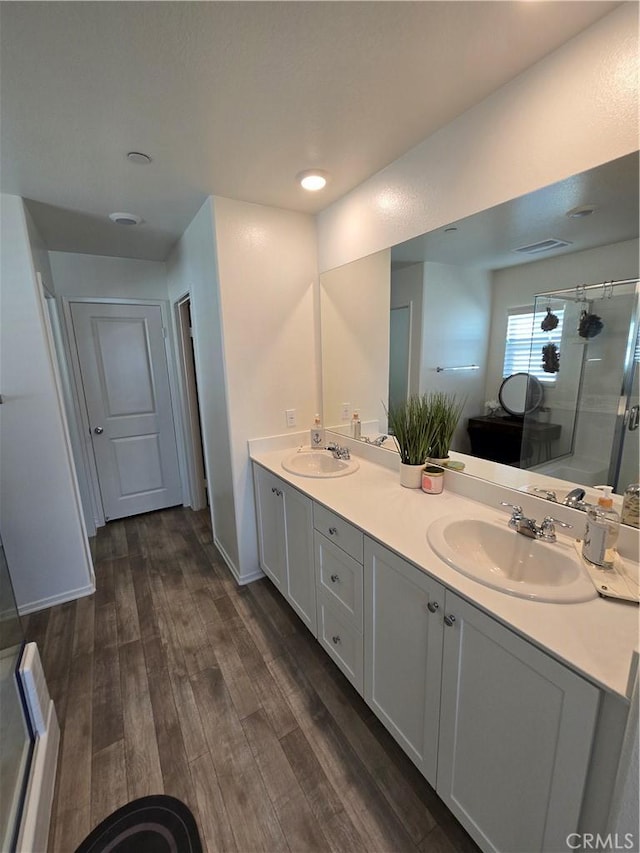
[342, 641]
[337, 530]
[339, 578]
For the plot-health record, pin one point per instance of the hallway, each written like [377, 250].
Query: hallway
[173, 679]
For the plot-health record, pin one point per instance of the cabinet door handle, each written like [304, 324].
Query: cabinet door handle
[333, 531]
[276, 492]
[449, 619]
[335, 578]
[336, 640]
[432, 606]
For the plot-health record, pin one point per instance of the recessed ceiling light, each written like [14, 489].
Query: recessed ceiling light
[582, 211]
[125, 218]
[138, 157]
[312, 180]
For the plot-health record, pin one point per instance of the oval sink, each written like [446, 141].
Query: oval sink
[494, 555]
[319, 463]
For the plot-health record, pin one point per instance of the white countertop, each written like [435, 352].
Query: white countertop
[596, 638]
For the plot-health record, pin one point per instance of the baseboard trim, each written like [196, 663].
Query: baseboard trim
[241, 580]
[62, 598]
[34, 828]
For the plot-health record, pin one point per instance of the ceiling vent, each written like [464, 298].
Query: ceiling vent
[542, 246]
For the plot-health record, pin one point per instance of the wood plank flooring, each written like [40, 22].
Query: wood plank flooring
[172, 679]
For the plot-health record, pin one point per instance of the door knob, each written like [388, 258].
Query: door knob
[449, 619]
[432, 606]
[98, 430]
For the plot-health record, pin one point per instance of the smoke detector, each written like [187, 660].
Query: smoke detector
[125, 218]
[581, 212]
[138, 157]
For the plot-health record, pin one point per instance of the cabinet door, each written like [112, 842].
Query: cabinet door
[515, 735]
[301, 586]
[271, 530]
[403, 652]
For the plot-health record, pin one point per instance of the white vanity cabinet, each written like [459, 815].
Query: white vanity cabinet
[285, 542]
[403, 637]
[500, 729]
[339, 578]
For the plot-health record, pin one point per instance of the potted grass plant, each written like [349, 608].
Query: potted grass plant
[444, 412]
[413, 431]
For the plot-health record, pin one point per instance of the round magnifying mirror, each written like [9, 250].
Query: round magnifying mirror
[520, 394]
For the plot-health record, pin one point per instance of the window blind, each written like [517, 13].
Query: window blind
[525, 339]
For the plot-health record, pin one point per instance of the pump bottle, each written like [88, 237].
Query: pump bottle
[316, 438]
[601, 534]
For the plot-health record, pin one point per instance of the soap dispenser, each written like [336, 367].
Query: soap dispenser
[356, 426]
[317, 433]
[601, 533]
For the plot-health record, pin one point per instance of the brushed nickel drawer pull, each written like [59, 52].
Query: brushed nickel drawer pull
[336, 640]
[335, 578]
[333, 531]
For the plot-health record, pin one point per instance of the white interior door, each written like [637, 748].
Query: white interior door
[125, 381]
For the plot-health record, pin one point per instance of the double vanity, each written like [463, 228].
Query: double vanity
[487, 655]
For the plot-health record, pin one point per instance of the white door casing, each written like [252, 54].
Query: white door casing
[125, 382]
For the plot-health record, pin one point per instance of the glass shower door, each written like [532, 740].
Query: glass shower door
[16, 741]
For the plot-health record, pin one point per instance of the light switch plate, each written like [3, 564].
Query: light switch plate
[291, 417]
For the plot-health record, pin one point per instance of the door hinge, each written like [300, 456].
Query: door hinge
[190, 331]
[164, 332]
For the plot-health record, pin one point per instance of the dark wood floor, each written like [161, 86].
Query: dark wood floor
[172, 679]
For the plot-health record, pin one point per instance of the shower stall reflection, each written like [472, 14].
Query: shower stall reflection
[593, 391]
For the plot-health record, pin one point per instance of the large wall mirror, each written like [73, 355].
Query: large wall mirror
[462, 308]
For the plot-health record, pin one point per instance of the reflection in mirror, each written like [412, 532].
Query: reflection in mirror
[354, 310]
[520, 394]
[456, 297]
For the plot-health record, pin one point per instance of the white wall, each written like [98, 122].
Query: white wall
[40, 515]
[455, 330]
[355, 302]
[100, 276]
[267, 267]
[192, 267]
[572, 111]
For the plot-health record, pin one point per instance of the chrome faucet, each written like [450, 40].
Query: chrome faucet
[377, 442]
[574, 500]
[338, 451]
[546, 532]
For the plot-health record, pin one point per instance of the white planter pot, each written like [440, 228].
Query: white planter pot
[411, 476]
[442, 462]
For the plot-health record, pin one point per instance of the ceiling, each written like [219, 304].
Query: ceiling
[236, 98]
[487, 240]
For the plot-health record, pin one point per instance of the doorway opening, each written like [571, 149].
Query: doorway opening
[191, 405]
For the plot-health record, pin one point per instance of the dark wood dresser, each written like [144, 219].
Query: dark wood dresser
[501, 439]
